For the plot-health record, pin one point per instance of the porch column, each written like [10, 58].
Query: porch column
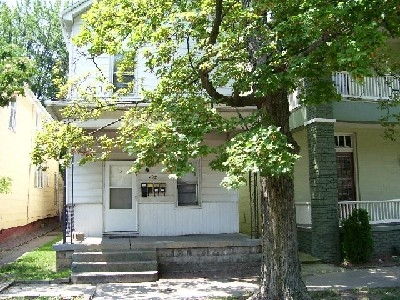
[323, 183]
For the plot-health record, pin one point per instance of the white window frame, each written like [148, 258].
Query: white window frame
[41, 179]
[12, 122]
[191, 179]
[113, 75]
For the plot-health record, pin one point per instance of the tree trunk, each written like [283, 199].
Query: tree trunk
[280, 270]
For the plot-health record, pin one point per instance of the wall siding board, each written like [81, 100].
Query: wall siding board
[89, 219]
[25, 203]
[167, 219]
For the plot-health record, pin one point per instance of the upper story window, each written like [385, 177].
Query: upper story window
[38, 122]
[188, 188]
[12, 123]
[125, 79]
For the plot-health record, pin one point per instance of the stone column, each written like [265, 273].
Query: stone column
[323, 183]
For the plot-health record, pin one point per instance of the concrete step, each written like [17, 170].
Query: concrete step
[124, 266]
[115, 256]
[307, 259]
[109, 277]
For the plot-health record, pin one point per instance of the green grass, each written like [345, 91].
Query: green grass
[359, 294]
[39, 264]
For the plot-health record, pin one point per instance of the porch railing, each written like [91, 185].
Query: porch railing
[378, 211]
[367, 88]
[386, 211]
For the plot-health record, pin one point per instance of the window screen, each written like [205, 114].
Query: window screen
[12, 123]
[125, 79]
[188, 188]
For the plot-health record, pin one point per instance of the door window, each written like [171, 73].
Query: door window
[120, 188]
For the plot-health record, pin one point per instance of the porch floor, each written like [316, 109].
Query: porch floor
[154, 242]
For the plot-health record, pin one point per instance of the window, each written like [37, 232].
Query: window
[343, 141]
[12, 123]
[125, 79]
[41, 179]
[188, 188]
[345, 168]
[38, 122]
[120, 186]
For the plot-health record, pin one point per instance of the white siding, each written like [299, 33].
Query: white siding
[87, 197]
[156, 219]
[87, 183]
[218, 212]
[89, 219]
[80, 65]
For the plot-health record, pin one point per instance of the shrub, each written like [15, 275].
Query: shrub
[357, 243]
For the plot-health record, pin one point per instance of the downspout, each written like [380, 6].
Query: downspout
[72, 197]
[64, 210]
[33, 115]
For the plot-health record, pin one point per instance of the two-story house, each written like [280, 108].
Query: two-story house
[107, 200]
[35, 195]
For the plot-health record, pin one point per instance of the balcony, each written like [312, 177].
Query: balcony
[386, 211]
[367, 88]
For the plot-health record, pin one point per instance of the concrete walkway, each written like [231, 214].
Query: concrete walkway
[316, 277]
[201, 288]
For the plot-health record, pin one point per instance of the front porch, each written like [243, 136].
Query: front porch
[176, 256]
[384, 219]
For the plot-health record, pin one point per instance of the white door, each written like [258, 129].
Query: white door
[120, 207]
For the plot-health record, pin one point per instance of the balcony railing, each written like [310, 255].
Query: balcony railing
[367, 88]
[387, 211]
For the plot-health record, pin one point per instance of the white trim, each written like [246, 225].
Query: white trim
[135, 207]
[319, 120]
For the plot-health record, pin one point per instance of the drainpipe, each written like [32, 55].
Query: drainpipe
[72, 194]
[64, 211]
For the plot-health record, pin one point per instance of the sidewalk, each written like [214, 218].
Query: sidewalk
[316, 277]
[12, 249]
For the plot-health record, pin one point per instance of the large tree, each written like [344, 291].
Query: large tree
[34, 27]
[263, 50]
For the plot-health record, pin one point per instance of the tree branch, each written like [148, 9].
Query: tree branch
[327, 36]
[204, 73]
[217, 23]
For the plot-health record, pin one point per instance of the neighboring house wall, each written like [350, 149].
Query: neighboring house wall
[31, 197]
[376, 163]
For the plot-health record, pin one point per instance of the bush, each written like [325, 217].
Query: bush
[357, 243]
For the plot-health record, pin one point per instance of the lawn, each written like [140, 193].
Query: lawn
[359, 294]
[39, 264]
